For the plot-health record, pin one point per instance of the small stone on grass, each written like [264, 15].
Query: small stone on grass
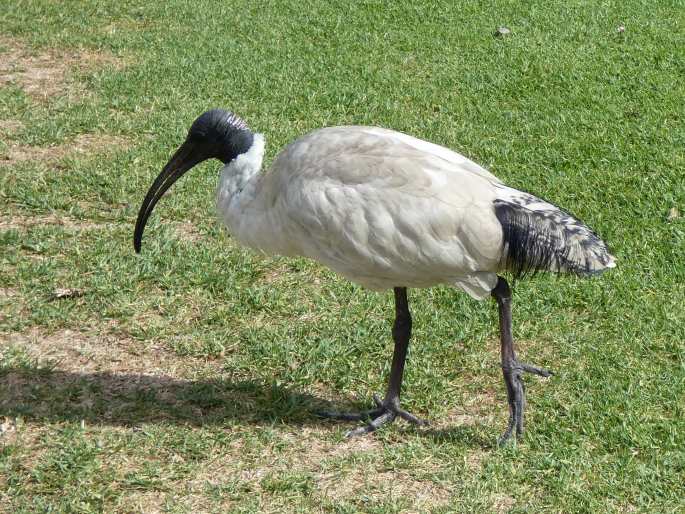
[61, 293]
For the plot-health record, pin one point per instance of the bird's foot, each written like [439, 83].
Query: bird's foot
[516, 394]
[385, 412]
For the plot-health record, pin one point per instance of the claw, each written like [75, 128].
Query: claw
[350, 416]
[522, 366]
[373, 425]
[516, 394]
[385, 412]
[535, 370]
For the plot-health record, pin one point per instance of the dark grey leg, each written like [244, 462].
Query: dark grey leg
[389, 408]
[512, 369]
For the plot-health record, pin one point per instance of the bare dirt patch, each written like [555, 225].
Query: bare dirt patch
[502, 503]
[44, 73]
[315, 447]
[478, 409]
[474, 459]
[340, 471]
[7, 293]
[273, 276]
[423, 495]
[151, 502]
[96, 144]
[187, 231]
[8, 127]
[154, 502]
[74, 351]
[11, 301]
[22, 222]
[81, 145]
[309, 448]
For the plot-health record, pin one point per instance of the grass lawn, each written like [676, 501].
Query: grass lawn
[185, 379]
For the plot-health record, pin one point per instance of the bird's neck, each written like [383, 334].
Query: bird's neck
[245, 201]
[237, 180]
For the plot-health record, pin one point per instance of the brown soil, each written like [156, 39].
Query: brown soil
[44, 73]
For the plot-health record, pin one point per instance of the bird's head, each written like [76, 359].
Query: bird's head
[216, 134]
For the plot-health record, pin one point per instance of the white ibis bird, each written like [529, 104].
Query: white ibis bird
[387, 210]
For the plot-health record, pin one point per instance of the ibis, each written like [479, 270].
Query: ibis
[387, 211]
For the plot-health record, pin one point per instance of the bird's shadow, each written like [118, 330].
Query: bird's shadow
[130, 400]
[135, 399]
[463, 435]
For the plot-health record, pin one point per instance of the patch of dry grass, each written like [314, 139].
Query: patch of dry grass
[23, 222]
[187, 231]
[73, 351]
[8, 127]
[81, 145]
[45, 74]
[502, 503]
[387, 486]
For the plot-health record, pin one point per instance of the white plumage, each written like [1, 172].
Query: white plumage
[379, 207]
[387, 210]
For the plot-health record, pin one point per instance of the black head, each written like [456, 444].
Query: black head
[221, 134]
[216, 134]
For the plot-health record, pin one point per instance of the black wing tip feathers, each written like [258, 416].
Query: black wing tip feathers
[541, 241]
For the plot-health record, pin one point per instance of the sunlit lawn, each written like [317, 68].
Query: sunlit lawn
[185, 379]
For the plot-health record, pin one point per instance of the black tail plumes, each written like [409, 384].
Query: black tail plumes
[541, 237]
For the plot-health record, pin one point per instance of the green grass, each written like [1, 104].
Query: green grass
[184, 379]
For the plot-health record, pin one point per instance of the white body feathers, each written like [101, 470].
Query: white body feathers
[385, 210]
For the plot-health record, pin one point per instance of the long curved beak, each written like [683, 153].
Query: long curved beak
[187, 156]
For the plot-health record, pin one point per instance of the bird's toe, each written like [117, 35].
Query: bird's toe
[386, 411]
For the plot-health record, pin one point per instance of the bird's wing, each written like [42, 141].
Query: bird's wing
[323, 145]
[370, 203]
[437, 151]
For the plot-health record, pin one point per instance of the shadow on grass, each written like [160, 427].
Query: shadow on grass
[474, 436]
[132, 399]
[135, 399]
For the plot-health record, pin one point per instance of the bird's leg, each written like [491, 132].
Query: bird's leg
[511, 367]
[389, 408]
